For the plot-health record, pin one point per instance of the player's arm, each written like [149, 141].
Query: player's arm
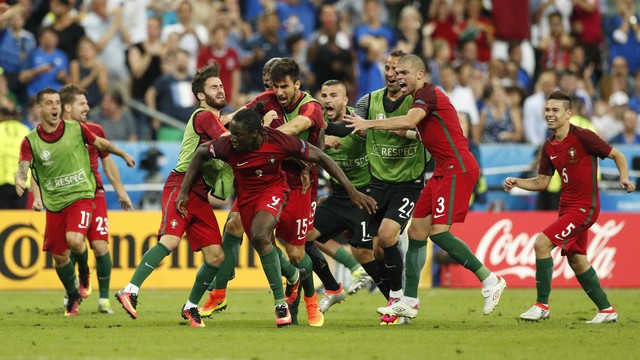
[537, 183]
[299, 124]
[105, 145]
[623, 169]
[201, 155]
[359, 199]
[21, 177]
[111, 170]
[407, 122]
[37, 199]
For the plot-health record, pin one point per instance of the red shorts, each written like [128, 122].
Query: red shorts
[200, 225]
[74, 218]
[294, 222]
[314, 205]
[271, 202]
[99, 229]
[569, 231]
[446, 198]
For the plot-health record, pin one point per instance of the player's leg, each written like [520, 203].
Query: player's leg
[98, 236]
[544, 274]
[78, 220]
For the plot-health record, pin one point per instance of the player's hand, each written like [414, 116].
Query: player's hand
[269, 117]
[510, 183]
[20, 186]
[125, 204]
[332, 142]
[37, 205]
[131, 162]
[363, 201]
[181, 204]
[356, 122]
[627, 185]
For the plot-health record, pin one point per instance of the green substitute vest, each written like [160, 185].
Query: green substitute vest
[393, 158]
[216, 173]
[11, 132]
[62, 168]
[288, 116]
[352, 158]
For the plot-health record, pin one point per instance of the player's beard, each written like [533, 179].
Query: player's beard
[214, 103]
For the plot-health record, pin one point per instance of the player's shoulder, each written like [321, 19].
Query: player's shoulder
[95, 128]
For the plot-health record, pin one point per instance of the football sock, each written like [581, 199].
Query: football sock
[544, 273]
[231, 247]
[321, 267]
[307, 283]
[384, 278]
[288, 271]
[343, 257]
[67, 275]
[82, 259]
[103, 268]
[591, 285]
[415, 259]
[393, 263]
[204, 278]
[271, 266]
[461, 253]
[150, 260]
[373, 270]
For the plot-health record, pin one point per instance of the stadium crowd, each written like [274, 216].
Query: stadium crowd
[495, 59]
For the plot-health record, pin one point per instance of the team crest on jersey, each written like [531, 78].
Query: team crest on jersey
[272, 160]
[173, 223]
[572, 155]
[381, 116]
[259, 173]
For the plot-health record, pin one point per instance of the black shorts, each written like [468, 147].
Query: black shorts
[396, 202]
[337, 214]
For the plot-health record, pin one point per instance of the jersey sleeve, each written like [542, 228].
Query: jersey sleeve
[25, 151]
[88, 135]
[593, 144]
[99, 131]
[208, 125]
[545, 167]
[426, 99]
[361, 107]
[220, 148]
[313, 111]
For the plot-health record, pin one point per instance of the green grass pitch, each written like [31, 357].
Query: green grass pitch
[450, 325]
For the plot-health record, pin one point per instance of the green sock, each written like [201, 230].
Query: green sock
[591, 285]
[307, 284]
[288, 271]
[67, 275]
[544, 273]
[82, 260]
[103, 268]
[414, 259]
[204, 278]
[271, 266]
[231, 248]
[343, 257]
[148, 263]
[461, 253]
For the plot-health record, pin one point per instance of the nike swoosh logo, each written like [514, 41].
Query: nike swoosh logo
[207, 283]
[241, 164]
[271, 207]
[147, 265]
[437, 216]
[553, 157]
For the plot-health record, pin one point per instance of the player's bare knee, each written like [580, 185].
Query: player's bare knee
[234, 225]
[61, 260]
[542, 246]
[578, 263]
[100, 247]
[295, 253]
[261, 241]
[170, 241]
[213, 255]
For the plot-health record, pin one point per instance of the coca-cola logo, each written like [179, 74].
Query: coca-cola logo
[509, 253]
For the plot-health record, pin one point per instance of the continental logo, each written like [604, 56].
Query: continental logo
[65, 181]
[23, 258]
[394, 152]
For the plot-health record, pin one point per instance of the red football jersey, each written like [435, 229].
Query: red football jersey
[94, 153]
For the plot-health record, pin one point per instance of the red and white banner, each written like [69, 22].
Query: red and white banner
[504, 243]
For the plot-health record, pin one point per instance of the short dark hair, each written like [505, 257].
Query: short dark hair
[68, 94]
[42, 93]
[283, 68]
[251, 117]
[333, 82]
[201, 76]
[116, 96]
[559, 95]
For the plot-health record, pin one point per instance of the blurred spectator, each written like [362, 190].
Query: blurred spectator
[203, 11]
[165, 10]
[518, 74]
[118, 124]
[478, 28]
[410, 28]
[298, 48]
[263, 45]
[586, 27]
[609, 122]
[623, 33]
[441, 24]
[16, 46]
[442, 55]
[66, 25]
[510, 29]
[32, 116]
[228, 59]
[634, 102]
[192, 35]
[556, 45]
[541, 9]
[12, 132]
[534, 124]
[8, 99]
[239, 30]
[629, 134]
[89, 73]
[499, 121]
[572, 85]
[111, 37]
[620, 76]
[48, 65]
[134, 17]
[171, 94]
[479, 192]
[468, 55]
[579, 116]
[297, 16]
[330, 54]
[461, 98]
[373, 39]
[584, 70]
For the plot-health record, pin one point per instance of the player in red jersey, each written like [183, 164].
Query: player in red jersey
[75, 107]
[255, 154]
[445, 198]
[573, 152]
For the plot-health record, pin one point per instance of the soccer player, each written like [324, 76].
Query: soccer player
[60, 164]
[445, 198]
[397, 166]
[75, 107]
[573, 152]
[255, 154]
[200, 224]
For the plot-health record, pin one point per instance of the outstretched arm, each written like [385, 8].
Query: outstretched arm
[623, 169]
[199, 157]
[111, 170]
[105, 145]
[537, 183]
[409, 121]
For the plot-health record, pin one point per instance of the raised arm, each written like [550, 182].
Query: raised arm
[111, 170]
[409, 121]
[623, 169]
